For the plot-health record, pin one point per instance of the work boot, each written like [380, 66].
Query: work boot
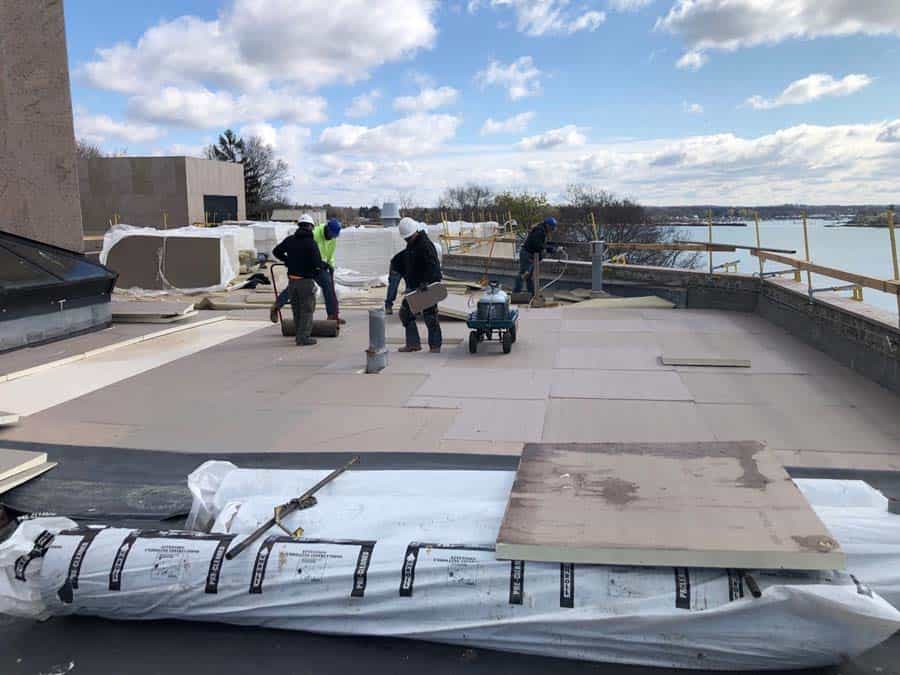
[307, 342]
[434, 350]
[273, 313]
[410, 348]
[388, 309]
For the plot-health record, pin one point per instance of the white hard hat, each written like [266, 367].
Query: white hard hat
[407, 227]
[307, 219]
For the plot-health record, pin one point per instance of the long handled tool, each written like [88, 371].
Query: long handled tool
[304, 501]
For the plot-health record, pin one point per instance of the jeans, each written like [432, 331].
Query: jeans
[302, 294]
[526, 267]
[326, 282]
[393, 286]
[430, 316]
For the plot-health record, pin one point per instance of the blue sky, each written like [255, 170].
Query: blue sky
[666, 101]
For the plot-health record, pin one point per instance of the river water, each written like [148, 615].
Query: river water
[864, 250]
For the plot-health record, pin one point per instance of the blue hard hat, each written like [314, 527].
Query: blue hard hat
[550, 222]
[333, 227]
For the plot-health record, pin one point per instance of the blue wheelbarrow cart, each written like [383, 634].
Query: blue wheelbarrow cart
[493, 320]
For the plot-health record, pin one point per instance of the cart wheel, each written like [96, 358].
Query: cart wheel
[473, 342]
[507, 342]
[512, 331]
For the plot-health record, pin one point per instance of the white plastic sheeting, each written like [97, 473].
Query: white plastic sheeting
[230, 244]
[410, 554]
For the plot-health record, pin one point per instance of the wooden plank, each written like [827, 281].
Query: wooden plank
[883, 285]
[704, 361]
[645, 301]
[17, 461]
[692, 246]
[713, 504]
[741, 247]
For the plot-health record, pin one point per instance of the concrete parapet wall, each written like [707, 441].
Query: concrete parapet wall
[866, 344]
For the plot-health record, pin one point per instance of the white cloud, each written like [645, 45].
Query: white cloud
[629, 5]
[707, 25]
[205, 109]
[417, 134]
[254, 42]
[805, 163]
[363, 105]
[692, 108]
[520, 78]
[890, 133]
[256, 56]
[692, 60]
[812, 88]
[99, 129]
[427, 99]
[544, 17]
[565, 137]
[511, 125]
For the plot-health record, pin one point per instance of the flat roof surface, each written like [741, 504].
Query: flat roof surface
[126, 444]
[587, 375]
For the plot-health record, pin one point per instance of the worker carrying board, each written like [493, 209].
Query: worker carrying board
[422, 271]
[537, 243]
[325, 236]
[304, 265]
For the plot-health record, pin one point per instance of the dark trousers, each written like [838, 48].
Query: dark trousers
[526, 271]
[302, 294]
[430, 316]
[393, 286]
[325, 280]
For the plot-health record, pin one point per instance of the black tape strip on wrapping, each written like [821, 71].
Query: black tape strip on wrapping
[567, 585]
[41, 545]
[682, 588]
[516, 582]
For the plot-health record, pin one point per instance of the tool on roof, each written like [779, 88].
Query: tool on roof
[304, 501]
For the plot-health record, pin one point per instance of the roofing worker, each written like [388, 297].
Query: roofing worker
[325, 237]
[422, 268]
[536, 244]
[304, 263]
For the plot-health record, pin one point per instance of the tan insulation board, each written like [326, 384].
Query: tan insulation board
[16, 461]
[23, 477]
[715, 504]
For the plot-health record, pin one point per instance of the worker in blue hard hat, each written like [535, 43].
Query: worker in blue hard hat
[325, 235]
[536, 244]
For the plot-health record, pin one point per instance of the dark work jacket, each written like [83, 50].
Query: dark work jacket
[301, 254]
[536, 241]
[422, 264]
[398, 264]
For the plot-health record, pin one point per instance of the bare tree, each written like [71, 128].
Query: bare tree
[618, 221]
[469, 197]
[87, 150]
[406, 201]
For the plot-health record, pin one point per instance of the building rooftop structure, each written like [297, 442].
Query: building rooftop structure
[128, 424]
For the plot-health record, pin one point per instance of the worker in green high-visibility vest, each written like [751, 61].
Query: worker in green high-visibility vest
[325, 236]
